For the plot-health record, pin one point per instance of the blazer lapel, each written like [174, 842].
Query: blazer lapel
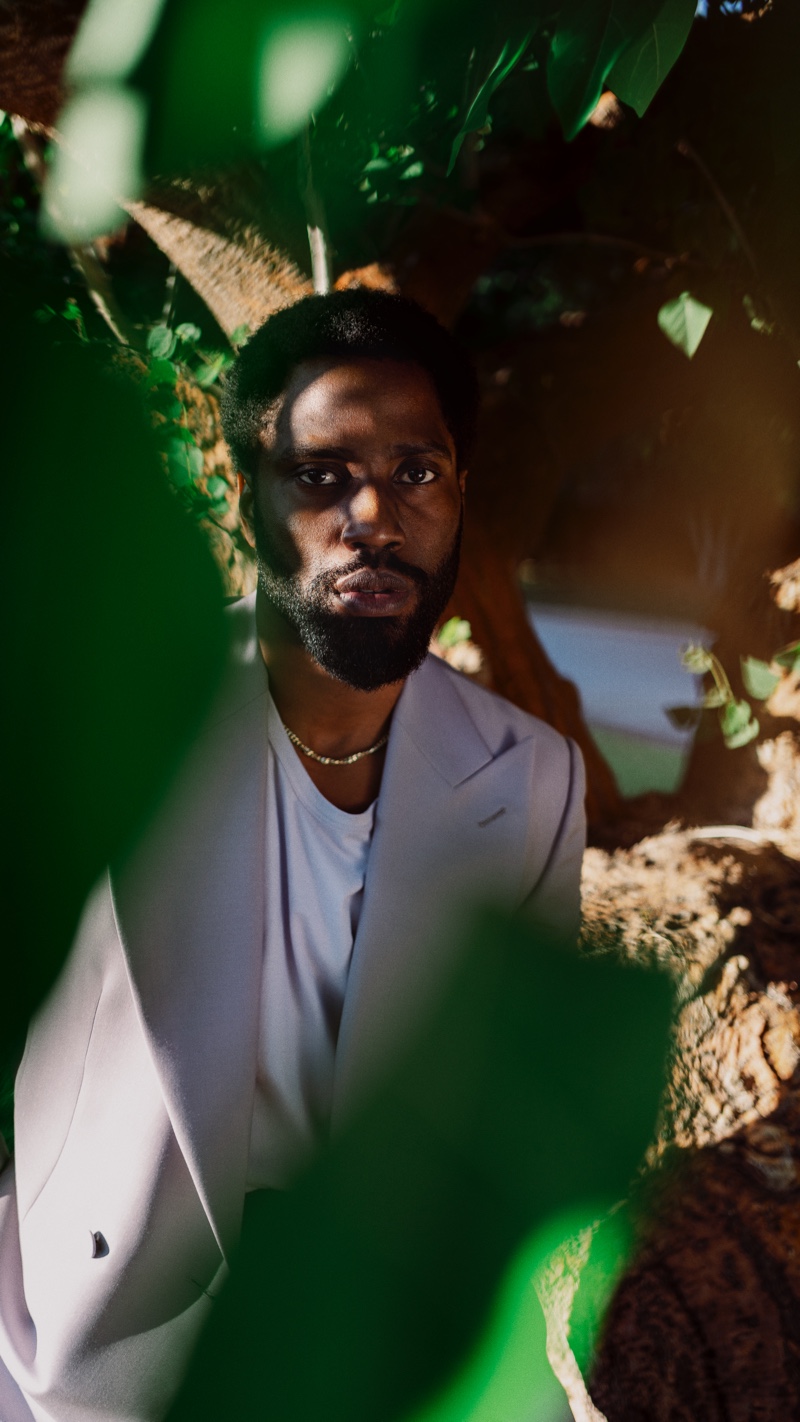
[190, 914]
[451, 830]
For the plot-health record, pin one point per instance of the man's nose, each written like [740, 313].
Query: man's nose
[371, 520]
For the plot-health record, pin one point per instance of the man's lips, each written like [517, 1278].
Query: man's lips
[374, 593]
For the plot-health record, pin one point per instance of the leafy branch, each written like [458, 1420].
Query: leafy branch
[737, 722]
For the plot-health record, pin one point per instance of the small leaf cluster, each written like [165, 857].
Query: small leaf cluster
[738, 724]
[170, 354]
[453, 632]
[387, 166]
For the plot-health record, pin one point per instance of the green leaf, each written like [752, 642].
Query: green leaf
[161, 342]
[166, 402]
[738, 724]
[642, 68]
[742, 737]
[696, 659]
[589, 38]
[454, 631]
[759, 680]
[789, 657]
[214, 369]
[239, 336]
[414, 170]
[389, 16]
[714, 698]
[188, 333]
[478, 111]
[162, 372]
[185, 463]
[217, 486]
[684, 322]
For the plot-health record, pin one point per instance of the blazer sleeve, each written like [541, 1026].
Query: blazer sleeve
[555, 901]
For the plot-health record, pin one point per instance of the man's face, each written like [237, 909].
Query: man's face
[355, 515]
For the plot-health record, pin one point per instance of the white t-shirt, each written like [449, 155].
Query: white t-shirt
[315, 870]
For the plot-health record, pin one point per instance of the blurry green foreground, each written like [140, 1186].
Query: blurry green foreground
[396, 1279]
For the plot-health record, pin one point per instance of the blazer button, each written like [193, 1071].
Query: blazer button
[99, 1246]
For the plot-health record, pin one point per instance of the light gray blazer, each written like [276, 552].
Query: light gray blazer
[134, 1097]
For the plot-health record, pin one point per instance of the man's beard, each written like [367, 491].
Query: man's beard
[363, 652]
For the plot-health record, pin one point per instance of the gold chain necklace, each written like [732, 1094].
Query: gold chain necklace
[333, 759]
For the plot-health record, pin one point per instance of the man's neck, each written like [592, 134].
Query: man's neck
[330, 717]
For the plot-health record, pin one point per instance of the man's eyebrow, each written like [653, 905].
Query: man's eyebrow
[427, 447]
[297, 453]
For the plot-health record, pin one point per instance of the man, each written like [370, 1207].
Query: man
[244, 978]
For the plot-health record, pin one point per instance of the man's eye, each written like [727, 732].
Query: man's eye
[317, 478]
[418, 474]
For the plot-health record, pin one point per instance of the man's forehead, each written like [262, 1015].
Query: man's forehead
[322, 397]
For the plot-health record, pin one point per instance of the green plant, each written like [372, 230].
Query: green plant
[737, 722]
[173, 354]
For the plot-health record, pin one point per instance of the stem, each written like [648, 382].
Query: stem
[720, 678]
[687, 151]
[316, 225]
[169, 294]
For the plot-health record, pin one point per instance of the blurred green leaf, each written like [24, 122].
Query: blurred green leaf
[185, 462]
[714, 698]
[239, 336]
[302, 60]
[166, 403]
[739, 725]
[684, 322]
[162, 372]
[111, 39]
[161, 342]
[789, 657]
[98, 164]
[211, 372]
[609, 1252]
[642, 68]
[188, 333]
[217, 486]
[590, 36]
[478, 111]
[735, 716]
[365, 1290]
[182, 434]
[453, 631]
[744, 736]
[760, 681]
[696, 659]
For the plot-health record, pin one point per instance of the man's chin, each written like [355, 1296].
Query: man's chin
[368, 652]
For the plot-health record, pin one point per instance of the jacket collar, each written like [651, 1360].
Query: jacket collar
[451, 829]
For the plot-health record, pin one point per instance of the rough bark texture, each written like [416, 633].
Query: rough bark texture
[705, 1322]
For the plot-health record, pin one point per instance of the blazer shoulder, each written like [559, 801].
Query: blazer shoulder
[500, 723]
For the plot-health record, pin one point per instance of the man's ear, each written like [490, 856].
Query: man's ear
[246, 507]
[462, 480]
